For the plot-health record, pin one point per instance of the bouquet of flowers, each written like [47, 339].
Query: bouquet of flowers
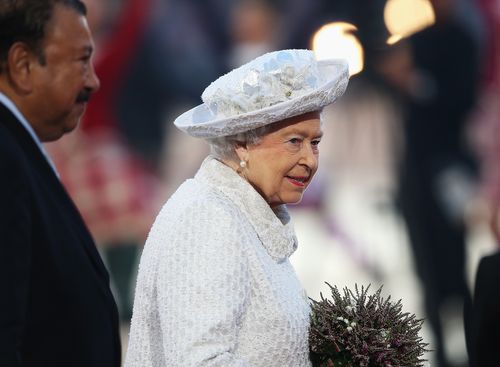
[361, 330]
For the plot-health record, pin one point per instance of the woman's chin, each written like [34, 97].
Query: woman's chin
[292, 200]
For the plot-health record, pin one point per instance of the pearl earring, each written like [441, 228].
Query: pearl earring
[243, 164]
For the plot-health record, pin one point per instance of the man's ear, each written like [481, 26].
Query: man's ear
[19, 67]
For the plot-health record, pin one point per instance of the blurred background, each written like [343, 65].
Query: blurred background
[408, 190]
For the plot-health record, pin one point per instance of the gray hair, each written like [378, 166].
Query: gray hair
[224, 147]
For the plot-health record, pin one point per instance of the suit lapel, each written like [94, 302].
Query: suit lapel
[52, 182]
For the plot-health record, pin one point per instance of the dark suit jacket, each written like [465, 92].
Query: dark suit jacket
[483, 332]
[56, 308]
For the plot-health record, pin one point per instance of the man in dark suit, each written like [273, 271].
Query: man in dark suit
[56, 308]
[483, 324]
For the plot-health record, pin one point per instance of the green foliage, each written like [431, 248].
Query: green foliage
[361, 330]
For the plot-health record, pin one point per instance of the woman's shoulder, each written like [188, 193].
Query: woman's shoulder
[193, 194]
[197, 215]
[197, 205]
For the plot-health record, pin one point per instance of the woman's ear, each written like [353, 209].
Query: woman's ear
[241, 150]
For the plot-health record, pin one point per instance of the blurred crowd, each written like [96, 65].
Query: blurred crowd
[418, 132]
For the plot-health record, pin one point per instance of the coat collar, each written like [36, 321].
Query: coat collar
[8, 104]
[273, 226]
[49, 179]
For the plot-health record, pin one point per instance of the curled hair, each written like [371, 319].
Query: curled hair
[26, 21]
[224, 147]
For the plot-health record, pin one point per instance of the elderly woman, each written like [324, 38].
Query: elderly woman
[215, 286]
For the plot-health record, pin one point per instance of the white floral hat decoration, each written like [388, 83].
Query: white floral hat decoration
[271, 88]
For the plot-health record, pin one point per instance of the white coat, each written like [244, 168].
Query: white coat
[215, 286]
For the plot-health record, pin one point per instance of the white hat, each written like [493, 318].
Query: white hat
[270, 88]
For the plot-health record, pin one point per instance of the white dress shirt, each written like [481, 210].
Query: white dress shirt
[13, 108]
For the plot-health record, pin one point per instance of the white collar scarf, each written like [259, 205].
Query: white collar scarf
[273, 226]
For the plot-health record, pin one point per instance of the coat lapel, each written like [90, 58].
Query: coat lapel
[52, 182]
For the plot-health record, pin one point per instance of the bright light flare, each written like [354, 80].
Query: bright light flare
[337, 41]
[406, 17]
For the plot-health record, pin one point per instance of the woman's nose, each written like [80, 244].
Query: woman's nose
[309, 156]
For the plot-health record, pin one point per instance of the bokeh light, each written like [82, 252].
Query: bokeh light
[337, 40]
[406, 17]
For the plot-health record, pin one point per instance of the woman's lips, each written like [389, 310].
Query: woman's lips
[299, 181]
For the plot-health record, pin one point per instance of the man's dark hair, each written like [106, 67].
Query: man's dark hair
[26, 21]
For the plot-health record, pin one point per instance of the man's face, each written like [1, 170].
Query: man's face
[63, 84]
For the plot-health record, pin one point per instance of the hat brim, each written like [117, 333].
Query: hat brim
[200, 122]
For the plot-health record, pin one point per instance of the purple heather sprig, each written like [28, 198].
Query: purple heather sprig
[357, 329]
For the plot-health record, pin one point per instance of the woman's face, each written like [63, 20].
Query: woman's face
[282, 164]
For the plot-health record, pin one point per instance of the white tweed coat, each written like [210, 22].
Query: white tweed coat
[215, 286]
